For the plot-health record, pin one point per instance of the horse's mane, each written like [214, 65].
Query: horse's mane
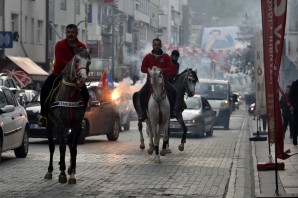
[186, 70]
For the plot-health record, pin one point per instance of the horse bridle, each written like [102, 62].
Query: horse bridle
[76, 73]
[185, 82]
[163, 93]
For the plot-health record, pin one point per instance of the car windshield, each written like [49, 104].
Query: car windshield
[193, 103]
[212, 91]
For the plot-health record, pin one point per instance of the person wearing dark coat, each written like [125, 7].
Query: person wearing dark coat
[286, 112]
[293, 99]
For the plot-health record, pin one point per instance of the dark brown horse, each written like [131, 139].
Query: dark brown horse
[66, 114]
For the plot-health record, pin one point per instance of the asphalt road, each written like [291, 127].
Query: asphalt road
[121, 169]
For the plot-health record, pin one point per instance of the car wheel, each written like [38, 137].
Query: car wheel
[84, 132]
[209, 133]
[114, 131]
[126, 126]
[22, 151]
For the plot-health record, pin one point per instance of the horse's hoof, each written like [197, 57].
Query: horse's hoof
[142, 147]
[163, 152]
[48, 176]
[72, 181]
[150, 152]
[168, 150]
[62, 178]
[157, 159]
[181, 148]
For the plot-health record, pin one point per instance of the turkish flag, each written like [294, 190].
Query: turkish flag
[103, 83]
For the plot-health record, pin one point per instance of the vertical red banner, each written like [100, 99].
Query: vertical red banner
[274, 22]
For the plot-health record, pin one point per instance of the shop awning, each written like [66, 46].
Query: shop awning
[26, 64]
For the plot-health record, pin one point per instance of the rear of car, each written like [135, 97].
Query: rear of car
[218, 93]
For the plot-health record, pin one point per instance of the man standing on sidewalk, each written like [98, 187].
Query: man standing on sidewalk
[293, 99]
[286, 112]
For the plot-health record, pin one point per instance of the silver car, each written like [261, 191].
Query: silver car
[199, 117]
[14, 126]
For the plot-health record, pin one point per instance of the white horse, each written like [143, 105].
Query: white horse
[158, 113]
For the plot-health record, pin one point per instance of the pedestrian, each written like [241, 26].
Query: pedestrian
[64, 52]
[163, 61]
[293, 99]
[286, 112]
[263, 117]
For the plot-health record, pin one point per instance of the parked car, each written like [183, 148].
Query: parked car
[14, 126]
[102, 117]
[8, 82]
[199, 117]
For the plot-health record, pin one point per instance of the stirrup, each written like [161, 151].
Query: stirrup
[42, 121]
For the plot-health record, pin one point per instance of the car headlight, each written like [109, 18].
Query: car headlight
[193, 121]
[224, 104]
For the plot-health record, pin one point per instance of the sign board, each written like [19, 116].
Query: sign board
[6, 39]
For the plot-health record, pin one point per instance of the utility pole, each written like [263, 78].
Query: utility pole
[113, 41]
[2, 14]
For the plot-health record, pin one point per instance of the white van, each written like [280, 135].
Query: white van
[218, 93]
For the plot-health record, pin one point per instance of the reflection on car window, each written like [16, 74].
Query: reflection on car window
[214, 91]
[193, 103]
[3, 101]
[10, 98]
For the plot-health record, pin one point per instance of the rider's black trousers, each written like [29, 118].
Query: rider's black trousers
[46, 88]
[144, 94]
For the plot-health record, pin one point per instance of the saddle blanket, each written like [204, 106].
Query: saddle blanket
[67, 104]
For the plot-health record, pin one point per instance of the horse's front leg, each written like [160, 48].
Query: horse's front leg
[184, 127]
[72, 141]
[149, 131]
[52, 150]
[156, 138]
[62, 148]
[165, 143]
[140, 126]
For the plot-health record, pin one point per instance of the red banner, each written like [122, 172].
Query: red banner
[274, 22]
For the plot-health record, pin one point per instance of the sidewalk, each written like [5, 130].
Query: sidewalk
[265, 181]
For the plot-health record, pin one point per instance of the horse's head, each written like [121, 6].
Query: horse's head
[190, 82]
[77, 70]
[82, 60]
[157, 83]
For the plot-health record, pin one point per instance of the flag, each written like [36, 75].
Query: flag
[110, 80]
[273, 22]
[259, 74]
[103, 84]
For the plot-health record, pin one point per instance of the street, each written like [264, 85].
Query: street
[121, 169]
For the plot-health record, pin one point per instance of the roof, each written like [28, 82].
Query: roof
[28, 66]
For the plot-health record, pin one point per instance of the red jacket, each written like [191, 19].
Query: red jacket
[161, 61]
[63, 54]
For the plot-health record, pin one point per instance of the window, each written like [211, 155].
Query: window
[63, 31]
[3, 101]
[26, 30]
[63, 4]
[9, 97]
[40, 32]
[32, 31]
[14, 22]
[78, 7]
[99, 13]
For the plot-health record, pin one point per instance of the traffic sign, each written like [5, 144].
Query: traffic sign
[6, 40]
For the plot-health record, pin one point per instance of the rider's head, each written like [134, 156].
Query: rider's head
[175, 55]
[156, 44]
[71, 32]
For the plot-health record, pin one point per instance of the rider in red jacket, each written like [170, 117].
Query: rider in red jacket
[64, 52]
[163, 61]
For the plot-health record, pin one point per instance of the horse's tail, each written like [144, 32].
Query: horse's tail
[136, 102]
